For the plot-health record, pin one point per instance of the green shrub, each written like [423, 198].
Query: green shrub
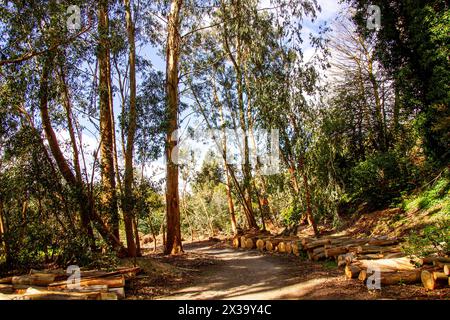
[432, 239]
[379, 180]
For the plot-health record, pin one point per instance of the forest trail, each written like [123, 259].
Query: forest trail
[247, 275]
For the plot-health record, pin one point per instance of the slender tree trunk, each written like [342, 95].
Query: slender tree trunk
[309, 214]
[109, 197]
[2, 233]
[395, 118]
[173, 241]
[136, 236]
[234, 226]
[378, 106]
[246, 169]
[128, 180]
[68, 108]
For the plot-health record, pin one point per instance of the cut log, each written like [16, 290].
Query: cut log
[432, 280]
[406, 277]
[335, 251]
[352, 271]
[304, 241]
[250, 243]
[281, 247]
[318, 250]
[112, 282]
[88, 288]
[296, 247]
[35, 294]
[351, 242]
[362, 276]
[39, 279]
[385, 265]
[288, 247]
[382, 242]
[429, 260]
[261, 244]
[392, 278]
[447, 269]
[391, 255]
[344, 259]
[236, 242]
[377, 249]
[243, 239]
[317, 243]
[271, 244]
[7, 280]
[128, 273]
[440, 264]
[6, 288]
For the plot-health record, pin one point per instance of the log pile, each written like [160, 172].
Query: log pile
[360, 257]
[344, 248]
[56, 285]
[433, 273]
[438, 276]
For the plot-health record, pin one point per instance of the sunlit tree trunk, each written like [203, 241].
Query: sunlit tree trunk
[108, 197]
[3, 242]
[237, 64]
[234, 227]
[309, 214]
[173, 243]
[128, 178]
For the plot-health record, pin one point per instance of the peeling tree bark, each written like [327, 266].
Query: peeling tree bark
[109, 196]
[132, 243]
[173, 243]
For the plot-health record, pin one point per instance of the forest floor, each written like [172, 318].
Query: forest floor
[214, 270]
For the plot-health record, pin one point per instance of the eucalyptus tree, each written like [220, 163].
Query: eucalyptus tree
[46, 49]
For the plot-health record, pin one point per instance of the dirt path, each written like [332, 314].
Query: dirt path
[243, 274]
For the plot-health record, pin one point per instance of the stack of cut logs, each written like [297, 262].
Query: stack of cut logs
[56, 285]
[433, 272]
[357, 255]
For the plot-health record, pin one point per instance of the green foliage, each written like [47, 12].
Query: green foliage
[291, 215]
[378, 180]
[434, 238]
[416, 56]
[434, 199]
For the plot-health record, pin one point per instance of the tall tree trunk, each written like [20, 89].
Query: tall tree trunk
[136, 236]
[378, 107]
[128, 179]
[246, 169]
[234, 227]
[309, 214]
[69, 115]
[109, 197]
[3, 242]
[173, 243]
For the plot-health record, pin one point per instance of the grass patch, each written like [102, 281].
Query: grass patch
[435, 194]
[433, 207]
